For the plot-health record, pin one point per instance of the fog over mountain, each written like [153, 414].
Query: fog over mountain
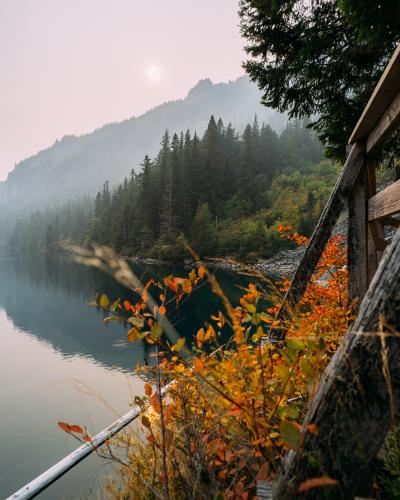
[76, 166]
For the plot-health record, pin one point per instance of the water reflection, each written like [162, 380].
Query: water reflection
[58, 361]
[48, 297]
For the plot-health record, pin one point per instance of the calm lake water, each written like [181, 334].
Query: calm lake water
[60, 362]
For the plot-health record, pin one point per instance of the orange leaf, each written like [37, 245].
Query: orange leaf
[201, 272]
[127, 305]
[313, 429]
[316, 482]
[77, 428]
[147, 389]
[198, 365]
[64, 426]
[155, 403]
[235, 412]
[162, 310]
[171, 284]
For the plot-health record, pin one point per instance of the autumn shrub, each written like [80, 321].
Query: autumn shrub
[236, 401]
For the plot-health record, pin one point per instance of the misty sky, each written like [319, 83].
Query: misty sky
[70, 66]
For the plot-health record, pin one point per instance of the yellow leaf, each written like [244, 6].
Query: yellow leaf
[133, 335]
[178, 346]
[104, 301]
[186, 286]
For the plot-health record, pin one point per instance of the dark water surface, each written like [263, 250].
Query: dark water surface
[59, 362]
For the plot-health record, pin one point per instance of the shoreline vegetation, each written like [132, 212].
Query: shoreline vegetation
[225, 194]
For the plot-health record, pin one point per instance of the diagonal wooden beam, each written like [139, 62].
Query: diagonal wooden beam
[358, 396]
[383, 94]
[335, 205]
[386, 125]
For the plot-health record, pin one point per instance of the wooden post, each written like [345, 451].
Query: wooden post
[357, 238]
[372, 255]
[358, 396]
[344, 185]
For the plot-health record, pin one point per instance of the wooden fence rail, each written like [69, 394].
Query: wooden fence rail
[368, 211]
[359, 394]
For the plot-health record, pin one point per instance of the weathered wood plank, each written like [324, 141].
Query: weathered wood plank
[388, 122]
[372, 256]
[377, 233]
[383, 95]
[385, 203]
[357, 238]
[358, 395]
[336, 203]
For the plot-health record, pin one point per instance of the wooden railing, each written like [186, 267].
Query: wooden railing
[368, 211]
[358, 396]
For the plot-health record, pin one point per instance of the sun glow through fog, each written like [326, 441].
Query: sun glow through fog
[153, 73]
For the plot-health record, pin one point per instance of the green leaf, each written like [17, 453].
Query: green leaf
[290, 434]
[290, 355]
[313, 346]
[104, 301]
[307, 368]
[179, 345]
[282, 371]
[114, 305]
[156, 331]
[295, 344]
[292, 411]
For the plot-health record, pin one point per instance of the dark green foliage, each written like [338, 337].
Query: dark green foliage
[320, 59]
[223, 193]
[389, 477]
[203, 235]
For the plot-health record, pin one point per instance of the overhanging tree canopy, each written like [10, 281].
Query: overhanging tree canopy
[319, 58]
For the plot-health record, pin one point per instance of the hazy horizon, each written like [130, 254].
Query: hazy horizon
[71, 68]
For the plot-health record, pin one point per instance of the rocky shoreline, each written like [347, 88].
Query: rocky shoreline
[284, 262]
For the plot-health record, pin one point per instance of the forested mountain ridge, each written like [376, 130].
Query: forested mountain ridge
[76, 166]
[225, 192]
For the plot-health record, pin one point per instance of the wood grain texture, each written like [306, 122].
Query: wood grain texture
[384, 93]
[372, 255]
[357, 238]
[336, 203]
[358, 394]
[386, 125]
[385, 203]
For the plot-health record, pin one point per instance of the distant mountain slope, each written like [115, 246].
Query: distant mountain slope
[80, 165]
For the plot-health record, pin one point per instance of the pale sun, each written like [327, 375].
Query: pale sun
[153, 73]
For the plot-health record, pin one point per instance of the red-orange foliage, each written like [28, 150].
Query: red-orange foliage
[235, 408]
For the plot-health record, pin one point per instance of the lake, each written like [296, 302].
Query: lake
[60, 362]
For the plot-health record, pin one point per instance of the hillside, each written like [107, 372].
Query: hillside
[80, 165]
